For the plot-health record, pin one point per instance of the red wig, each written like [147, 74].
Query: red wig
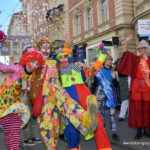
[32, 54]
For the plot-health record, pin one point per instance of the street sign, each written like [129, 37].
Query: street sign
[144, 26]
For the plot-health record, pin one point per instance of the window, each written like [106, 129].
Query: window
[89, 18]
[104, 10]
[77, 26]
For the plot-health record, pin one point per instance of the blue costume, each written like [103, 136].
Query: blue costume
[106, 95]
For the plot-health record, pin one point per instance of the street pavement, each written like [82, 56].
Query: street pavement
[126, 142]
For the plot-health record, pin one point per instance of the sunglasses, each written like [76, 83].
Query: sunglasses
[140, 48]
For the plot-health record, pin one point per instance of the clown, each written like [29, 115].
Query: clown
[49, 98]
[72, 81]
[14, 113]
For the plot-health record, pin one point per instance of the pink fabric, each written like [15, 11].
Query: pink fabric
[14, 70]
[12, 130]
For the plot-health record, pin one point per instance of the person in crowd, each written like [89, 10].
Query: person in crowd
[30, 131]
[116, 84]
[72, 79]
[124, 93]
[13, 113]
[138, 67]
[49, 98]
[106, 95]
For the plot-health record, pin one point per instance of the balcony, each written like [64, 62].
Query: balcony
[55, 12]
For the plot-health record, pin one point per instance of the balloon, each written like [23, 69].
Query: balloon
[98, 50]
[101, 46]
[2, 36]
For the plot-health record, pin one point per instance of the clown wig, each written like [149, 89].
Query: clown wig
[32, 54]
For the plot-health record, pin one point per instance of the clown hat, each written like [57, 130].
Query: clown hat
[66, 50]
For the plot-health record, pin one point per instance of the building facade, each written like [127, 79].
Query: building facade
[141, 12]
[46, 18]
[16, 25]
[58, 22]
[85, 23]
[107, 21]
[94, 21]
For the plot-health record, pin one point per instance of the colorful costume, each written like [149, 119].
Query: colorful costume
[106, 95]
[13, 113]
[48, 99]
[72, 81]
[139, 100]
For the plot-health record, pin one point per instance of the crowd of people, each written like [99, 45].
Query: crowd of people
[49, 90]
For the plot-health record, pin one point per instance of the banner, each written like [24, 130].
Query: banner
[5, 48]
[80, 54]
[144, 26]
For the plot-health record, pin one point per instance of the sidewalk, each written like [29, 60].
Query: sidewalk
[126, 142]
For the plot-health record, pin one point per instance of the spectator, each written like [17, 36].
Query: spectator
[124, 94]
[106, 94]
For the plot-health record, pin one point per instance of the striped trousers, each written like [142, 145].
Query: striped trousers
[12, 130]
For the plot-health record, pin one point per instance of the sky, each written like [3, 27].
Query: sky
[7, 9]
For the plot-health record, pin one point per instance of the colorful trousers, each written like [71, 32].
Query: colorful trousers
[102, 98]
[60, 102]
[12, 131]
[80, 93]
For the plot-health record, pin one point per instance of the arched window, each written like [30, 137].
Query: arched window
[77, 26]
[104, 10]
[89, 19]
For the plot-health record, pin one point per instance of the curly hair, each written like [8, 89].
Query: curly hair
[41, 41]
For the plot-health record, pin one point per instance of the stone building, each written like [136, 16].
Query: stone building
[16, 25]
[46, 18]
[85, 23]
[58, 22]
[107, 21]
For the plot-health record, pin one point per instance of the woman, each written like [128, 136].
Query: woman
[138, 67]
[14, 113]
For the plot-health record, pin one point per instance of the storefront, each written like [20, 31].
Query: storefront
[91, 54]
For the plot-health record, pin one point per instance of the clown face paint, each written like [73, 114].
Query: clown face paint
[64, 60]
[32, 65]
[45, 49]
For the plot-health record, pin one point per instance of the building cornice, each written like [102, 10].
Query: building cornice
[118, 27]
[147, 12]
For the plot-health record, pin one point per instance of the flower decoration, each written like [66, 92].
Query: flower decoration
[102, 49]
[2, 36]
